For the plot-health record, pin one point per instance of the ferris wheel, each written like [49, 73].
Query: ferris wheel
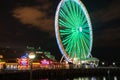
[73, 30]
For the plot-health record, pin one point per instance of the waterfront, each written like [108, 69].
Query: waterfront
[108, 77]
[72, 78]
[104, 73]
[85, 78]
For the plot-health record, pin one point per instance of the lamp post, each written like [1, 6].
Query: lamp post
[31, 57]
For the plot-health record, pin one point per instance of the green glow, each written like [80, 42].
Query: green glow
[74, 30]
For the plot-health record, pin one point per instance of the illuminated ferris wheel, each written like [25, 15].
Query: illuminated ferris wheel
[73, 30]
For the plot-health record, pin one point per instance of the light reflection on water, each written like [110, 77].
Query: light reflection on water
[89, 78]
[96, 78]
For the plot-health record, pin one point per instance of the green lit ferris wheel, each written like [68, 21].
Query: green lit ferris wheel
[73, 30]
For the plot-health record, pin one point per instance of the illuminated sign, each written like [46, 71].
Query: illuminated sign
[45, 62]
[24, 61]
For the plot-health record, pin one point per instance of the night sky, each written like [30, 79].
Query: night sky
[31, 23]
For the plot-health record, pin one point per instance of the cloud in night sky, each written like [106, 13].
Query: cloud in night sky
[108, 37]
[36, 17]
[108, 13]
[106, 25]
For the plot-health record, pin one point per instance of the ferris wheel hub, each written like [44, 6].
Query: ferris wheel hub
[80, 29]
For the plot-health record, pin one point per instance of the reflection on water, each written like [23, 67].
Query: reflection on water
[96, 78]
[115, 78]
[89, 78]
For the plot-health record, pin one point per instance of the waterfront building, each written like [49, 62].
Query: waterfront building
[2, 62]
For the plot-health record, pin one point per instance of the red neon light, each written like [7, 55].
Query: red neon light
[24, 61]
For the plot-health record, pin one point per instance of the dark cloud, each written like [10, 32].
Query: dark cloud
[106, 26]
[107, 13]
[36, 16]
[108, 37]
[106, 29]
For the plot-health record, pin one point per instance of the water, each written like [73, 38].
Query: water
[86, 78]
[63, 74]
[97, 78]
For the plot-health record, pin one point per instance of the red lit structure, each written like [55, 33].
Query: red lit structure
[24, 61]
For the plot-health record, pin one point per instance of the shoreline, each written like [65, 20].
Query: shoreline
[63, 73]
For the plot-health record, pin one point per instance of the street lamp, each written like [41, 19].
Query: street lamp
[113, 63]
[31, 57]
[103, 63]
